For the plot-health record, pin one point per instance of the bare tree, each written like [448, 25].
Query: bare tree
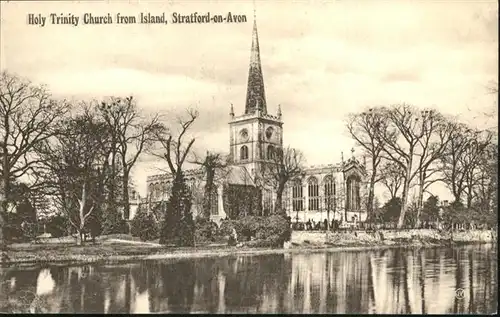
[363, 128]
[406, 142]
[393, 178]
[436, 133]
[178, 222]
[131, 135]
[211, 164]
[73, 168]
[285, 164]
[475, 159]
[456, 162]
[27, 117]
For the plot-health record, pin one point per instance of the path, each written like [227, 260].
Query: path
[135, 242]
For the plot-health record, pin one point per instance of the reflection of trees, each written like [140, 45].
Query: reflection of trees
[19, 298]
[341, 282]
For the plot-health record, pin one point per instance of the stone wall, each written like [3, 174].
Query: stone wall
[318, 237]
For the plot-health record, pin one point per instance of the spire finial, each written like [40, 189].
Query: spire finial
[254, 12]
[352, 152]
[231, 112]
[255, 85]
[279, 110]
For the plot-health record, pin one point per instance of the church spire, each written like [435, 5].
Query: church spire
[256, 97]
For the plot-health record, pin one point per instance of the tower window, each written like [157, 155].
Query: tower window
[244, 153]
[270, 152]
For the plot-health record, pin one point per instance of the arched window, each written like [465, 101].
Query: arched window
[244, 153]
[270, 152]
[353, 196]
[214, 201]
[330, 192]
[297, 196]
[313, 193]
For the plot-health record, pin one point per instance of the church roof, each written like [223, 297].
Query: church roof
[238, 175]
[256, 96]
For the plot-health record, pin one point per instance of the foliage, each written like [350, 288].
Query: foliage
[22, 224]
[430, 211]
[113, 222]
[56, 225]
[178, 225]
[76, 167]
[455, 213]
[391, 210]
[275, 229]
[241, 201]
[206, 231]
[145, 226]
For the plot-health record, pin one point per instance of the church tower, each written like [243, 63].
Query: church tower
[255, 135]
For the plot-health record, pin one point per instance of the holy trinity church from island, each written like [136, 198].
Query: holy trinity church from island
[254, 137]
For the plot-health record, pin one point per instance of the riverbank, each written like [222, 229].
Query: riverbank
[123, 250]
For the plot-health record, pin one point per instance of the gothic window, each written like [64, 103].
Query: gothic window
[286, 199]
[214, 202]
[330, 193]
[244, 153]
[353, 197]
[297, 196]
[270, 152]
[133, 195]
[313, 193]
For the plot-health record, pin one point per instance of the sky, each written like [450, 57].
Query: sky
[321, 60]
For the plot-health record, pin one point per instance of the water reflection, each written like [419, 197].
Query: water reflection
[388, 281]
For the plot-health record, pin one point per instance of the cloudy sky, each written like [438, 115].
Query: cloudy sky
[321, 60]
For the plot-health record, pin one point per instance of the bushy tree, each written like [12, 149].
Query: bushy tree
[391, 210]
[56, 225]
[178, 225]
[144, 226]
[430, 211]
[113, 222]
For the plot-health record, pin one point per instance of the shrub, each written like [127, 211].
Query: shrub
[274, 230]
[144, 226]
[56, 226]
[205, 231]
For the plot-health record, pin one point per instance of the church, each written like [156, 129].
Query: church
[333, 191]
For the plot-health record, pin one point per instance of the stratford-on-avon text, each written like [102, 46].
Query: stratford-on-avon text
[41, 20]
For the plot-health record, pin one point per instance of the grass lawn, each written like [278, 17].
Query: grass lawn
[105, 248]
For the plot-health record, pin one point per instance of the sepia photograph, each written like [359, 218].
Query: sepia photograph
[249, 156]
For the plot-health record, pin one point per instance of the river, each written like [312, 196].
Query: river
[433, 280]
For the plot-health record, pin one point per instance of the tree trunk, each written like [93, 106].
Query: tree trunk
[126, 202]
[4, 196]
[404, 198]
[79, 239]
[82, 214]
[419, 202]
[278, 206]
[371, 195]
